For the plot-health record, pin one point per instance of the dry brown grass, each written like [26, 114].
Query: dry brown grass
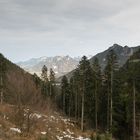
[50, 121]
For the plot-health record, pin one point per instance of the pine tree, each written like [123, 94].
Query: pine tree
[44, 76]
[77, 96]
[64, 94]
[85, 75]
[109, 72]
[37, 80]
[52, 83]
[72, 97]
[97, 88]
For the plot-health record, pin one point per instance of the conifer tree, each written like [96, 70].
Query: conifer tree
[109, 72]
[77, 96]
[44, 76]
[52, 83]
[85, 74]
[64, 94]
[97, 87]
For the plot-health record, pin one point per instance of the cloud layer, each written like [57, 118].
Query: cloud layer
[33, 28]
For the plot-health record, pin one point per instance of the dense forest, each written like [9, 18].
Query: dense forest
[108, 101]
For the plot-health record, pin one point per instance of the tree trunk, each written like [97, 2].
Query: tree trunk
[111, 103]
[76, 104]
[1, 93]
[108, 108]
[64, 101]
[134, 111]
[50, 89]
[82, 113]
[96, 108]
[28, 121]
[70, 103]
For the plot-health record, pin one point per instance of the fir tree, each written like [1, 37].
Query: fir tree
[64, 94]
[44, 76]
[52, 83]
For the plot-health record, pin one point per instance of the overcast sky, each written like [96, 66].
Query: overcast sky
[35, 28]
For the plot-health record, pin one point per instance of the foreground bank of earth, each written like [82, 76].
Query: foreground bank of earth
[48, 125]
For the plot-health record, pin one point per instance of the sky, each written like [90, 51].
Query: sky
[36, 28]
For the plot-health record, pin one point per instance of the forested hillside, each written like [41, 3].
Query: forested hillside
[106, 101]
[18, 85]
[123, 54]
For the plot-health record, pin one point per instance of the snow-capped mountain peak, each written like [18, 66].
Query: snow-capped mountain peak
[60, 64]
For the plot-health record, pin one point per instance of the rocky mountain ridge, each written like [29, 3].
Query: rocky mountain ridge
[60, 64]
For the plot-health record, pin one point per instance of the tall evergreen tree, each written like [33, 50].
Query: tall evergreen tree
[65, 94]
[52, 83]
[109, 72]
[77, 96]
[97, 89]
[86, 84]
[44, 76]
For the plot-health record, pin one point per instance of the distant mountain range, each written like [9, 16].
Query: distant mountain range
[60, 64]
[64, 65]
[123, 54]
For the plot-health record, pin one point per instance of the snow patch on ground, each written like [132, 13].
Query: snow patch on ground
[15, 130]
[43, 133]
[70, 132]
[59, 138]
[38, 116]
[81, 138]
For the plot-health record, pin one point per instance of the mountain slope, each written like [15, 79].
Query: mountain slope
[123, 54]
[19, 86]
[129, 79]
[60, 64]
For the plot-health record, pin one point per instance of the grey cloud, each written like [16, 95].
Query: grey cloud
[23, 14]
[69, 23]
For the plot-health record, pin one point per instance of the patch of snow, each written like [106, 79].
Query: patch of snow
[42, 58]
[81, 138]
[65, 120]
[59, 58]
[59, 138]
[64, 132]
[38, 116]
[54, 67]
[56, 72]
[15, 130]
[43, 133]
[89, 56]
[68, 136]
[53, 117]
[69, 132]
